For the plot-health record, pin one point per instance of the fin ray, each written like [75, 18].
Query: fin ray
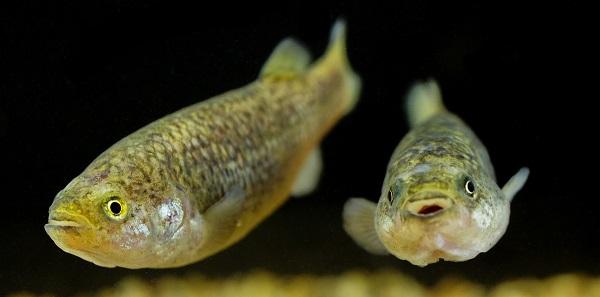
[423, 101]
[359, 216]
[515, 183]
[289, 58]
[222, 217]
[308, 178]
[336, 59]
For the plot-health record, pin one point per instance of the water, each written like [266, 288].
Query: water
[80, 77]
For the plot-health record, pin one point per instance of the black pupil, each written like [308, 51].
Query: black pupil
[390, 196]
[470, 186]
[115, 207]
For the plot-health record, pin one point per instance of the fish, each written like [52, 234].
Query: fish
[439, 198]
[196, 181]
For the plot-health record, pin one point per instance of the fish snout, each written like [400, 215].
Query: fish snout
[428, 206]
[66, 220]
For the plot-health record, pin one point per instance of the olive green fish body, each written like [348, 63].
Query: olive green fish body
[196, 181]
[248, 138]
[443, 139]
[439, 199]
[254, 138]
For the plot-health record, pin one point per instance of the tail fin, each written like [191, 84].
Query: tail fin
[336, 58]
[423, 101]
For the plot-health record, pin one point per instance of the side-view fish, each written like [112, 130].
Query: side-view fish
[196, 181]
[439, 199]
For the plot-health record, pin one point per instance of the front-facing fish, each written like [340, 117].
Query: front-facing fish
[196, 181]
[439, 199]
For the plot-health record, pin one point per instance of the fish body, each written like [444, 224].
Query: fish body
[196, 181]
[439, 199]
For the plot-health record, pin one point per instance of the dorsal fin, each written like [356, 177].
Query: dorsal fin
[289, 58]
[424, 100]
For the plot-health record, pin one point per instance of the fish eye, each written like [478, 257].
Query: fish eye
[469, 186]
[390, 196]
[115, 208]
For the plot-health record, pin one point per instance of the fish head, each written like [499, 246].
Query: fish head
[133, 223]
[436, 211]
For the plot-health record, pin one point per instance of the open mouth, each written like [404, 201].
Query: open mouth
[430, 209]
[426, 207]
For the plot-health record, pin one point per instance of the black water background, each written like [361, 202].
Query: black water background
[78, 77]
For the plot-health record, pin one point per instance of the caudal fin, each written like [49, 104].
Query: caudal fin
[336, 57]
[423, 101]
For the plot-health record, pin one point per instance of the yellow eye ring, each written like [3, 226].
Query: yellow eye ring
[115, 208]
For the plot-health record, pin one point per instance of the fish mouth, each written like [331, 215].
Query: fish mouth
[67, 220]
[428, 204]
[54, 227]
[56, 223]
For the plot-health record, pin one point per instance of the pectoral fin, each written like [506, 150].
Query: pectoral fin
[308, 178]
[515, 183]
[359, 223]
[222, 217]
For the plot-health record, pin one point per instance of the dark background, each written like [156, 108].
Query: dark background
[75, 78]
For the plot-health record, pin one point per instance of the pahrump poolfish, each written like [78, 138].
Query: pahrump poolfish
[198, 180]
[439, 199]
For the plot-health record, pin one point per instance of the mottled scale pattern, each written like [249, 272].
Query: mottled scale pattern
[444, 136]
[251, 137]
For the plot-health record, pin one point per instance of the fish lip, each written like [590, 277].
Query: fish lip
[425, 195]
[62, 223]
[63, 226]
[65, 219]
[417, 204]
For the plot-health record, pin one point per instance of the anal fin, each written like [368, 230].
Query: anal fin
[308, 178]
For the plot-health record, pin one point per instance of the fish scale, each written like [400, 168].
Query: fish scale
[273, 137]
[439, 198]
[444, 136]
[196, 181]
